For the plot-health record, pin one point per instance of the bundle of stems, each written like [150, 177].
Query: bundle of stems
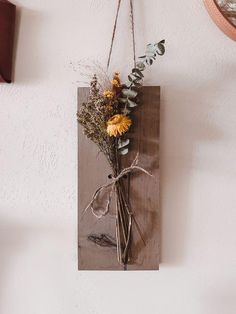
[124, 219]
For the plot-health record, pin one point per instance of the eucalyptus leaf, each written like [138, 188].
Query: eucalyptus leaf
[162, 42]
[123, 100]
[149, 61]
[126, 111]
[124, 151]
[138, 72]
[129, 93]
[150, 54]
[151, 48]
[132, 104]
[137, 84]
[136, 77]
[140, 65]
[128, 84]
[160, 48]
[132, 77]
[123, 143]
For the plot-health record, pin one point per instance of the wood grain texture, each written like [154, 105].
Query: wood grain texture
[144, 191]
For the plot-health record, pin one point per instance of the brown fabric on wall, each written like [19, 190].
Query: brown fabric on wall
[7, 29]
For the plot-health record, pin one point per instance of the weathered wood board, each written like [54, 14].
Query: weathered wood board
[144, 190]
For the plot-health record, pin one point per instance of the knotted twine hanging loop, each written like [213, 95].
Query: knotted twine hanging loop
[114, 31]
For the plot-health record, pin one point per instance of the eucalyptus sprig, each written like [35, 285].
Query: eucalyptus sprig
[135, 78]
[129, 91]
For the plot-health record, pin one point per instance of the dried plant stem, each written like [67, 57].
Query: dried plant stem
[123, 218]
[124, 226]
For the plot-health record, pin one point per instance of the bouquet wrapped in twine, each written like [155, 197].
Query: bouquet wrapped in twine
[106, 118]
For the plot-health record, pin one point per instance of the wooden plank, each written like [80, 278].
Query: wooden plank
[144, 191]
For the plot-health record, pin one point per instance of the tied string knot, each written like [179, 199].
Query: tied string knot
[111, 187]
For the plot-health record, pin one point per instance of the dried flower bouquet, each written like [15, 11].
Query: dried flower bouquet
[106, 118]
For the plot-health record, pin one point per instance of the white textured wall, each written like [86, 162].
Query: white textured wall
[38, 144]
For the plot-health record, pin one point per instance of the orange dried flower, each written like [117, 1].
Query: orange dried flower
[118, 125]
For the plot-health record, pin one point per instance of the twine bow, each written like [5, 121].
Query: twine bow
[111, 187]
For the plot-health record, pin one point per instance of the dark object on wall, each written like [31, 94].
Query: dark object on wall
[96, 241]
[7, 30]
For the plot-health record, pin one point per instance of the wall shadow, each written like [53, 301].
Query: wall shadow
[184, 128]
[13, 239]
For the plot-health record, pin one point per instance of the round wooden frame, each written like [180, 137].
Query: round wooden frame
[221, 21]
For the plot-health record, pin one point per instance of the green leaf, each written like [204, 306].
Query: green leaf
[137, 72]
[160, 48]
[124, 151]
[123, 100]
[129, 93]
[149, 61]
[150, 54]
[131, 77]
[151, 48]
[128, 84]
[132, 104]
[140, 65]
[126, 111]
[137, 84]
[123, 143]
[136, 77]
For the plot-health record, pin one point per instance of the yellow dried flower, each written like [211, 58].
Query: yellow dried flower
[118, 125]
[116, 80]
[108, 94]
[115, 83]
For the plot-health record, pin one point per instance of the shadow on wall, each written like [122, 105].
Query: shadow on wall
[32, 249]
[13, 241]
[222, 296]
[188, 125]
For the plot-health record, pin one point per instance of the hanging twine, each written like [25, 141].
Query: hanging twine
[114, 32]
[132, 28]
